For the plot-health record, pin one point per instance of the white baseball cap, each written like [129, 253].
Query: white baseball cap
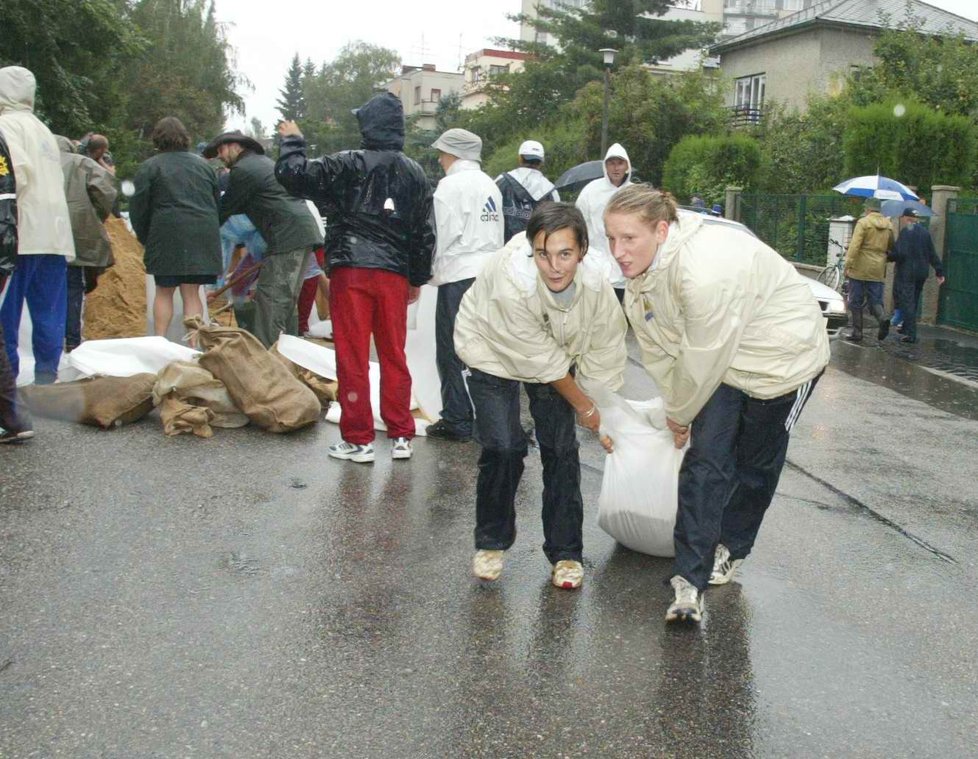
[531, 149]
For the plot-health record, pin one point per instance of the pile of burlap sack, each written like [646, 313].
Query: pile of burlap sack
[233, 382]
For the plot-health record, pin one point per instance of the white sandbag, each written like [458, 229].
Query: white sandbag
[126, 356]
[640, 489]
[322, 361]
[321, 329]
[420, 350]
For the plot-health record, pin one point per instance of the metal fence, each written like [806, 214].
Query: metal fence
[797, 226]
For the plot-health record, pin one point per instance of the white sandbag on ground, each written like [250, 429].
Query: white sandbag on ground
[322, 361]
[125, 356]
[640, 489]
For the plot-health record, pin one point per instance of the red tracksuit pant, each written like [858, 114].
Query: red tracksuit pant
[361, 302]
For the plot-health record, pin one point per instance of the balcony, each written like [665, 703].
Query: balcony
[745, 116]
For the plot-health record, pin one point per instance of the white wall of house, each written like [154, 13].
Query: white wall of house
[420, 90]
[798, 64]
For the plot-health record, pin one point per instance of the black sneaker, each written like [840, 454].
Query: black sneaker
[442, 431]
[908, 339]
[11, 436]
[884, 330]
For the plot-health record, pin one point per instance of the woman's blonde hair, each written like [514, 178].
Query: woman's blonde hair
[646, 202]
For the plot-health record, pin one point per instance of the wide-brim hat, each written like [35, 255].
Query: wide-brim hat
[460, 143]
[248, 143]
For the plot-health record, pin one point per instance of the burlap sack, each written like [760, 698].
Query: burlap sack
[325, 389]
[192, 385]
[258, 383]
[178, 417]
[100, 401]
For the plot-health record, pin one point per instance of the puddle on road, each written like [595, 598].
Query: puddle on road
[919, 371]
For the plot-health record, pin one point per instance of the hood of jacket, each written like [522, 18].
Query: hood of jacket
[64, 144]
[617, 151]
[381, 122]
[878, 220]
[533, 180]
[17, 88]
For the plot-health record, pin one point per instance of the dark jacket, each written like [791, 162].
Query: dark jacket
[914, 254]
[174, 215]
[90, 192]
[378, 202]
[285, 222]
[8, 212]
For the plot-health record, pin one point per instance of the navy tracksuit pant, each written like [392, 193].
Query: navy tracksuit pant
[729, 475]
[497, 429]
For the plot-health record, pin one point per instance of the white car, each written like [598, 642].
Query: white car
[831, 303]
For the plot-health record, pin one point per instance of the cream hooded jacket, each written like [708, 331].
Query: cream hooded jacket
[592, 202]
[43, 224]
[468, 221]
[719, 306]
[510, 326]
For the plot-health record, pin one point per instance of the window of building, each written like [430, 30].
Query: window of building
[417, 96]
[749, 93]
[793, 5]
[476, 74]
[435, 96]
[497, 70]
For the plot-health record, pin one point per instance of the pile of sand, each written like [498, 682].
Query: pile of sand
[117, 307]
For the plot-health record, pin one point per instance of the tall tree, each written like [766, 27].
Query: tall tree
[187, 70]
[292, 103]
[341, 85]
[75, 50]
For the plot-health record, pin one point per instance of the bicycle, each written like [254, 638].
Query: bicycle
[832, 275]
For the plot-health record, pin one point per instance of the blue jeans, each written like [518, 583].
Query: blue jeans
[497, 429]
[456, 410]
[41, 280]
[729, 475]
[862, 292]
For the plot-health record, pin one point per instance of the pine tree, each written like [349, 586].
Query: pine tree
[292, 104]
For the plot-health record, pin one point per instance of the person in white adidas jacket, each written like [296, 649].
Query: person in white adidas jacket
[735, 343]
[44, 226]
[469, 229]
[592, 202]
[536, 317]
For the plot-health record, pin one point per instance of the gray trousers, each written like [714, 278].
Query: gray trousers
[276, 295]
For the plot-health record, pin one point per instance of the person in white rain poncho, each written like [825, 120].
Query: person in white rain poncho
[592, 202]
[535, 317]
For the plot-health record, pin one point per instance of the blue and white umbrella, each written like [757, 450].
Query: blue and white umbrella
[876, 186]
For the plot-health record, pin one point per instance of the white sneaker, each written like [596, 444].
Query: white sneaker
[723, 566]
[487, 565]
[688, 605]
[361, 454]
[567, 574]
[400, 448]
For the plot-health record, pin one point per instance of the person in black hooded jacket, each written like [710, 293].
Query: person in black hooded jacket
[15, 424]
[380, 239]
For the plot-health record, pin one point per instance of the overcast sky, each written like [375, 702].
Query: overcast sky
[266, 36]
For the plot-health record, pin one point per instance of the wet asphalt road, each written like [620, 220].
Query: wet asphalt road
[246, 596]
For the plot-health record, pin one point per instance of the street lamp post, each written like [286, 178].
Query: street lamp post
[609, 60]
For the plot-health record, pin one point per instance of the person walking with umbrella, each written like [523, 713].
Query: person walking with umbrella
[865, 267]
[914, 255]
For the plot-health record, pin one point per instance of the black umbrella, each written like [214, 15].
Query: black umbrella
[576, 177]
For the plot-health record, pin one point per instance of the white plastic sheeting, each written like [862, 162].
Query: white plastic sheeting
[124, 357]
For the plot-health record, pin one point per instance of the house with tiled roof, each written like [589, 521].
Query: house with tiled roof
[814, 49]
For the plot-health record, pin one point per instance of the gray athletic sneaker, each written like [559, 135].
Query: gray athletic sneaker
[688, 605]
[400, 448]
[362, 454]
[724, 567]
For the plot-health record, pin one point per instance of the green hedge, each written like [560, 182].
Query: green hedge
[911, 143]
[706, 166]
